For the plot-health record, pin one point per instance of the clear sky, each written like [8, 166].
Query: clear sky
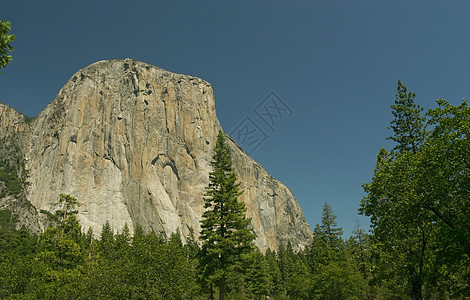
[333, 64]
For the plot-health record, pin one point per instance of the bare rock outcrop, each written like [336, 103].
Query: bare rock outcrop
[133, 143]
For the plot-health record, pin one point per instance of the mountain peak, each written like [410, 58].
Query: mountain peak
[133, 143]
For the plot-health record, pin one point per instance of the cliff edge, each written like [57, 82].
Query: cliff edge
[133, 143]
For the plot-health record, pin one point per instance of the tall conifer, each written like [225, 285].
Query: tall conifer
[408, 124]
[226, 232]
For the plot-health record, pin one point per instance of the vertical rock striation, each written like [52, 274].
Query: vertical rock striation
[133, 143]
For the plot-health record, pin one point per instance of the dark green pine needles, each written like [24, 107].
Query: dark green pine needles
[226, 232]
[408, 124]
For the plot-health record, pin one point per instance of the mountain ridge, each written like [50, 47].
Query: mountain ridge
[132, 142]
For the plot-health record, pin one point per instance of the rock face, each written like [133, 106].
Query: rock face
[133, 143]
[13, 175]
[12, 123]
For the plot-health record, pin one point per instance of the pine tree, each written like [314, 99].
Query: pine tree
[257, 276]
[329, 227]
[358, 247]
[275, 275]
[56, 270]
[408, 124]
[226, 232]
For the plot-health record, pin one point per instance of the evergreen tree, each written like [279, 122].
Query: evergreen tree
[258, 279]
[327, 244]
[401, 227]
[123, 240]
[17, 249]
[335, 276]
[295, 272]
[57, 271]
[106, 242]
[408, 124]
[358, 250]
[286, 264]
[226, 232]
[419, 205]
[276, 287]
[329, 228]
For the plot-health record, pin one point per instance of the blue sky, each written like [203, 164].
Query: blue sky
[335, 64]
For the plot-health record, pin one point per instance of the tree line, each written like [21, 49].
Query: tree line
[64, 262]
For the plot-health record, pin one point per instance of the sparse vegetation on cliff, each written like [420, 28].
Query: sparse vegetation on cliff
[13, 172]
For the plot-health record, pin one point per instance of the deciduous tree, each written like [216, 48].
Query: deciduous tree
[418, 199]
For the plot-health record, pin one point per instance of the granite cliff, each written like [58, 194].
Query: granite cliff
[133, 143]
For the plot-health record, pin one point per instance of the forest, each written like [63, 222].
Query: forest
[66, 263]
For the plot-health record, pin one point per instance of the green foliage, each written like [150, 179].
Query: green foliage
[66, 207]
[359, 250]
[276, 284]
[335, 281]
[328, 230]
[9, 176]
[17, 248]
[144, 266]
[7, 220]
[446, 172]
[5, 40]
[58, 265]
[336, 274]
[327, 245]
[13, 172]
[10, 170]
[257, 275]
[408, 124]
[419, 204]
[225, 233]
[296, 277]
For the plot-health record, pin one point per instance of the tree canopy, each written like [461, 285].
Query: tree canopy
[418, 199]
